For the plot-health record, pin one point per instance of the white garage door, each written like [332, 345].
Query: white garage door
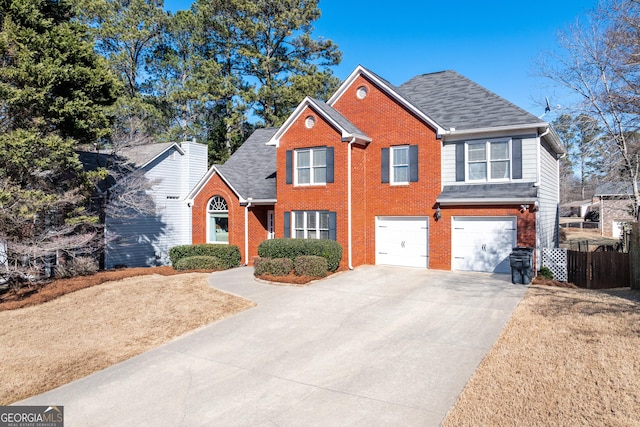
[482, 243]
[402, 241]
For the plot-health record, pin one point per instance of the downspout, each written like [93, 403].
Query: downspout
[246, 233]
[539, 159]
[349, 222]
[537, 184]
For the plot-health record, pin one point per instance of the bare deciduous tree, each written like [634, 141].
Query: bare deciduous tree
[599, 61]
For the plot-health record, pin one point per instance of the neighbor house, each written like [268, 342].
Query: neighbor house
[437, 173]
[147, 213]
[616, 206]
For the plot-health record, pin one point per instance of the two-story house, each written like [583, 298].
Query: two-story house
[436, 173]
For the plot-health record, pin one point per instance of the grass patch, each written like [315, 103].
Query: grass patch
[50, 344]
[566, 357]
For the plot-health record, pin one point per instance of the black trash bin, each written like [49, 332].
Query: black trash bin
[521, 262]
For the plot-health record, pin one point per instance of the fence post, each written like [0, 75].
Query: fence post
[634, 256]
[589, 272]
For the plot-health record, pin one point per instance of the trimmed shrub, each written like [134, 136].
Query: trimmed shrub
[311, 265]
[273, 266]
[229, 255]
[293, 248]
[545, 273]
[200, 262]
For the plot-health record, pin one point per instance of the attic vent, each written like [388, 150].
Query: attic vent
[361, 93]
[310, 122]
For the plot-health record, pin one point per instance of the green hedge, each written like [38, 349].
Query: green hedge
[310, 265]
[229, 255]
[273, 266]
[293, 248]
[200, 262]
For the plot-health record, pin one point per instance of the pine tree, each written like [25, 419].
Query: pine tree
[53, 92]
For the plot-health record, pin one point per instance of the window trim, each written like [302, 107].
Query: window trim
[392, 166]
[311, 167]
[305, 227]
[487, 150]
[211, 211]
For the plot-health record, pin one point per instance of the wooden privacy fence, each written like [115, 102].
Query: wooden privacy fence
[598, 270]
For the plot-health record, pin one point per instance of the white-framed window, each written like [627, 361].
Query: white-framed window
[311, 225]
[399, 163]
[489, 160]
[311, 166]
[217, 221]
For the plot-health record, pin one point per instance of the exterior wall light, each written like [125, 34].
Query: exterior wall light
[438, 213]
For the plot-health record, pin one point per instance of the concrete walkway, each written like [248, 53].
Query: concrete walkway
[374, 346]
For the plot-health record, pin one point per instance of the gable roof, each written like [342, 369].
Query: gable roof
[456, 102]
[451, 103]
[250, 172]
[348, 130]
[135, 157]
[389, 89]
[140, 156]
[616, 188]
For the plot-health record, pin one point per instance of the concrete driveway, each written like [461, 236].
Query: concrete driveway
[374, 346]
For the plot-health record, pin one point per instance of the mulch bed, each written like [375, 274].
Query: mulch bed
[290, 280]
[42, 292]
[38, 293]
[548, 282]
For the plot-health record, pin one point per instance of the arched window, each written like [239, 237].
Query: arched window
[218, 224]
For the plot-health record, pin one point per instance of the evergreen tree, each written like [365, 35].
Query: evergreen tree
[53, 94]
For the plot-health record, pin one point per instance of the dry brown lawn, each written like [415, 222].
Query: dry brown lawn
[567, 357]
[53, 343]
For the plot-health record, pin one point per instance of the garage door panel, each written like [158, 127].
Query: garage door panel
[402, 241]
[483, 243]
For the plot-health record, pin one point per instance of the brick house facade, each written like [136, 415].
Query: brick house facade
[436, 173]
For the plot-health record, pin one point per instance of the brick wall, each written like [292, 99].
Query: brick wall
[614, 210]
[388, 124]
[257, 218]
[440, 231]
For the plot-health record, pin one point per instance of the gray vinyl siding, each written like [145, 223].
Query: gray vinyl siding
[548, 199]
[529, 156]
[145, 240]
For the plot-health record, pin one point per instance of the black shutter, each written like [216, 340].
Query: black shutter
[329, 165]
[289, 173]
[413, 163]
[287, 225]
[460, 162]
[516, 157]
[385, 165]
[332, 226]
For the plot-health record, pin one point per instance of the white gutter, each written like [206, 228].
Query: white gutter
[538, 154]
[349, 237]
[246, 233]
[486, 201]
[493, 129]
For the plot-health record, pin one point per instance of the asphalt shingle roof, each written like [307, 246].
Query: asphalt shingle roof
[335, 115]
[616, 188]
[525, 190]
[454, 101]
[251, 170]
[139, 155]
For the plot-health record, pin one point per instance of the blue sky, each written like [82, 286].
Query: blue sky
[496, 45]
